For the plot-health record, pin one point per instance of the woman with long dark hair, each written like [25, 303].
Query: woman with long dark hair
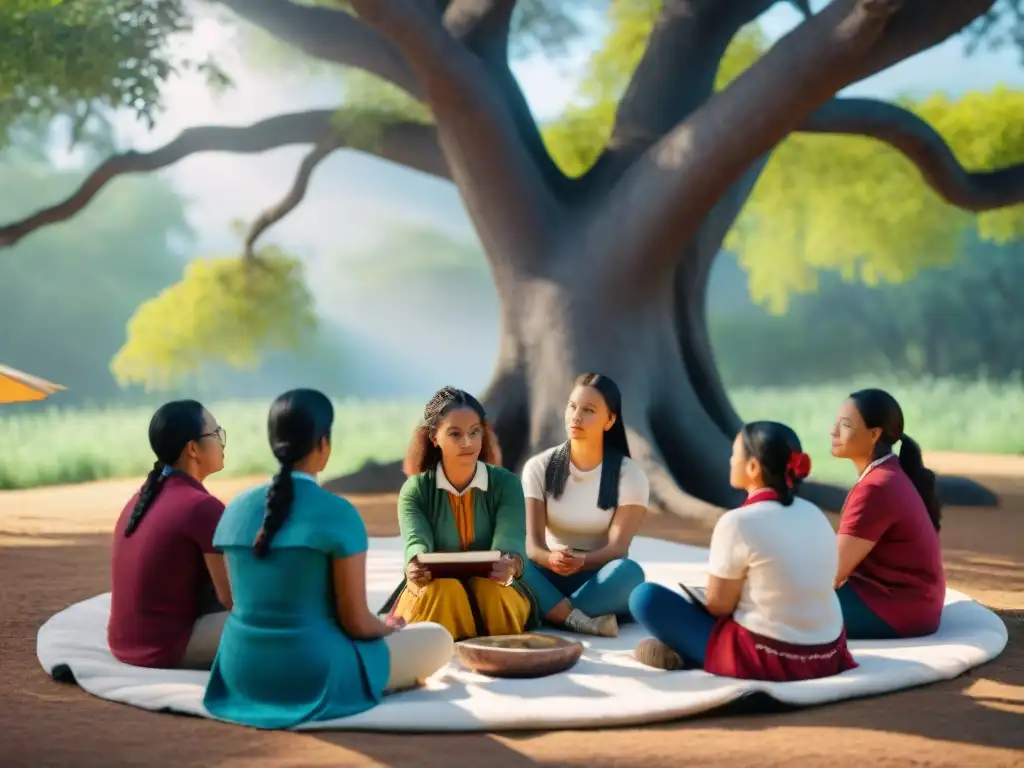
[301, 643]
[169, 587]
[457, 499]
[585, 500]
[771, 612]
[890, 578]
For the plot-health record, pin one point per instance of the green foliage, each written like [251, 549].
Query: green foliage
[858, 207]
[45, 444]
[223, 310]
[371, 105]
[960, 320]
[67, 291]
[73, 58]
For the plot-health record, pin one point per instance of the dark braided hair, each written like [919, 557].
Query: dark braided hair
[299, 420]
[775, 446]
[173, 426]
[616, 447]
[880, 410]
[422, 454]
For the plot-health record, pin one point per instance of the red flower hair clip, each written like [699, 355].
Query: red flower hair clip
[798, 467]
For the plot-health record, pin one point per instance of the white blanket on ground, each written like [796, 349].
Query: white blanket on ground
[606, 688]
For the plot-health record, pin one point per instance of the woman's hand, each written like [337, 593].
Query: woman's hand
[395, 622]
[416, 573]
[504, 568]
[564, 563]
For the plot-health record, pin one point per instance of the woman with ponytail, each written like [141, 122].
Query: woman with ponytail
[585, 500]
[890, 579]
[301, 644]
[770, 611]
[457, 499]
[169, 587]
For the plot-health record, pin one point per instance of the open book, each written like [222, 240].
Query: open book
[459, 565]
[698, 596]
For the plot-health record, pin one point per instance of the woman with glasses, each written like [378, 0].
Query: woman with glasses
[169, 590]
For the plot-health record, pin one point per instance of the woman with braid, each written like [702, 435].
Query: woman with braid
[301, 644]
[456, 500]
[169, 586]
[585, 500]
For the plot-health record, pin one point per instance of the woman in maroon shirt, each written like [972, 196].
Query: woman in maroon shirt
[890, 582]
[169, 588]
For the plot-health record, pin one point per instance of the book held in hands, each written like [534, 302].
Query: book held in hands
[459, 565]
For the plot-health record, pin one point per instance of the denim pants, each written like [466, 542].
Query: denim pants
[673, 619]
[595, 592]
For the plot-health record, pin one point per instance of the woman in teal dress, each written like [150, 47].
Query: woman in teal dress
[301, 643]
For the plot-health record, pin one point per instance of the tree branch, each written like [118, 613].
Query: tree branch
[295, 195]
[483, 26]
[924, 147]
[511, 206]
[677, 71]
[675, 76]
[410, 144]
[328, 34]
[666, 194]
[916, 27]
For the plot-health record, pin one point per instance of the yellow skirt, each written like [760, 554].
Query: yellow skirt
[503, 610]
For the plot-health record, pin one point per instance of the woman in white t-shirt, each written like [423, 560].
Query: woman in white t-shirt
[585, 500]
[772, 612]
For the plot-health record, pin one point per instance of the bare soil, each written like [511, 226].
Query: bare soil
[54, 549]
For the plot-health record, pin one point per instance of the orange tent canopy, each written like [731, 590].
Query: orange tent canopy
[18, 387]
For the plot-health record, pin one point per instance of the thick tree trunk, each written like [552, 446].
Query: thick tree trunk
[678, 418]
[563, 329]
[563, 323]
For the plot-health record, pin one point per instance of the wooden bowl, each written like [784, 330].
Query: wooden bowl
[527, 655]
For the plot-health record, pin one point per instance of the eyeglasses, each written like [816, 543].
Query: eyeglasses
[220, 433]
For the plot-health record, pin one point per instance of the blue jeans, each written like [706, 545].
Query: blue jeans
[672, 619]
[595, 592]
[861, 622]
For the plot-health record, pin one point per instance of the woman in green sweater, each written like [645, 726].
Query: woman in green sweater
[457, 500]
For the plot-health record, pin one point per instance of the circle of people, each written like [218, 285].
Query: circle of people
[270, 593]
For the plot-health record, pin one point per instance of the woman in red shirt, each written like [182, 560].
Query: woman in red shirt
[169, 591]
[890, 582]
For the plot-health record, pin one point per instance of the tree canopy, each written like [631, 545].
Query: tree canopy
[825, 201]
[830, 202]
[221, 310]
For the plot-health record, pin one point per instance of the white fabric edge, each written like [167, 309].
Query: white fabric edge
[969, 636]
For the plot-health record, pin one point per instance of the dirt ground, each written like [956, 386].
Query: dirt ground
[54, 551]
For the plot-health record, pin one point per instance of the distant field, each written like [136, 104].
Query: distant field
[52, 445]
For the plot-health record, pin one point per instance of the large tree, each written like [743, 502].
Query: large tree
[601, 270]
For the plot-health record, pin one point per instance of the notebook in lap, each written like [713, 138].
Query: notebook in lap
[698, 596]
